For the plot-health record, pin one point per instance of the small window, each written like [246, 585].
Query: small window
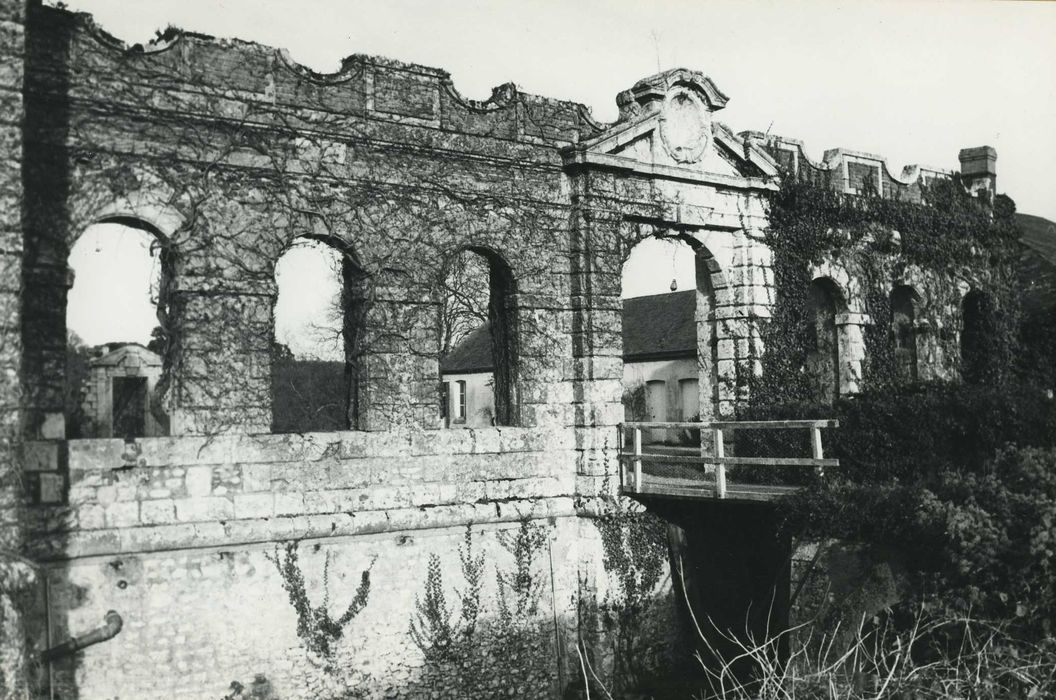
[461, 414]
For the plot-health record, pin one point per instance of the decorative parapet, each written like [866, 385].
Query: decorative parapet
[362, 86]
[846, 170]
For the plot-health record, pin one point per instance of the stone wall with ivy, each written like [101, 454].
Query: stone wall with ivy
[332, 557]
[332, 563]
[15, 573]
[299, 558]
[951, 252]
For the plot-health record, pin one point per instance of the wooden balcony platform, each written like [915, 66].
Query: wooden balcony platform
[674, 487]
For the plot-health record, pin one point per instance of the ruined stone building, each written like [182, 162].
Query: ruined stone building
[227, 152]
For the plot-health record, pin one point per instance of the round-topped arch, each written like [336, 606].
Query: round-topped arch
[680, 331]
[478, 338]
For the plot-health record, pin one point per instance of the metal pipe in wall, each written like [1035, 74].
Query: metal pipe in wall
[74, 644]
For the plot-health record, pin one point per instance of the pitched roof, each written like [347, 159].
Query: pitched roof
[472, 355]
[660, 326]
[654, 327]
[118, 354]
[1038, 263]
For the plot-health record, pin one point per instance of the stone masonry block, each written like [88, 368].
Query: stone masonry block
[203, 509]
[122, 515]
[254, 505]
[157, 512]
[52, 487]
[199, 481]
[256, 477]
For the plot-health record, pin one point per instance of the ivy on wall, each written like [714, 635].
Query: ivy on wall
[318, 630]
[949, 236]
[925, 474]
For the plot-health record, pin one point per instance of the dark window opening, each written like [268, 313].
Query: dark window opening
[979, 339]
[904, 333]
[823, 356]
[316, 359]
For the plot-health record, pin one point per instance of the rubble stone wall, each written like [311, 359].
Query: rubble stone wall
[227, 152]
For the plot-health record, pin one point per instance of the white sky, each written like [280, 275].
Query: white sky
[913, 81]
[115, 286]
[309, 279]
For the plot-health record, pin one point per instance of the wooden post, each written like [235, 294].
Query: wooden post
[638, 460]
[720, 468]
[815, 447]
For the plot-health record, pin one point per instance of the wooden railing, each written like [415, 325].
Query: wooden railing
[712, 478]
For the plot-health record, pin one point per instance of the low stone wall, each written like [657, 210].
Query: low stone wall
[197, 620]
[156, 494]
[183, 537]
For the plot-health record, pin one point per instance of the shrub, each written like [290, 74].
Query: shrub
[908, 434]
[960, 480]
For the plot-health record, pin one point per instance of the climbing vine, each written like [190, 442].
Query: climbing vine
[318, 630]
[949, 236]
[619, 633]
[461, 646]
[924, 472]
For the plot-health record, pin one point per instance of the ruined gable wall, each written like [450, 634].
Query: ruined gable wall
[251, 152]
[228, 152]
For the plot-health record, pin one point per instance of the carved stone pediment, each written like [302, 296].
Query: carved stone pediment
[666, 125]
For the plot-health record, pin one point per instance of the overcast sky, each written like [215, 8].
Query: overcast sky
[912, 81]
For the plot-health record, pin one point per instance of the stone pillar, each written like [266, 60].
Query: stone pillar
[399, 381]
[597, 345]
[45, 217]
[851, 338]
[43, 332]
[220, 358]
[14, 574]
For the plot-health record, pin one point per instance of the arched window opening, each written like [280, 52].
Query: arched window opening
[478, 343]
[823, 348]
[979, 333]
[670, 346]
[904, 332]
[117, 335]
[318, 337]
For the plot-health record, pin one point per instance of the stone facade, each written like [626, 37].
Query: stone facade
[14, 573]
[227, 152]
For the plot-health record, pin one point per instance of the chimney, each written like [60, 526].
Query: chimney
[979, 171]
